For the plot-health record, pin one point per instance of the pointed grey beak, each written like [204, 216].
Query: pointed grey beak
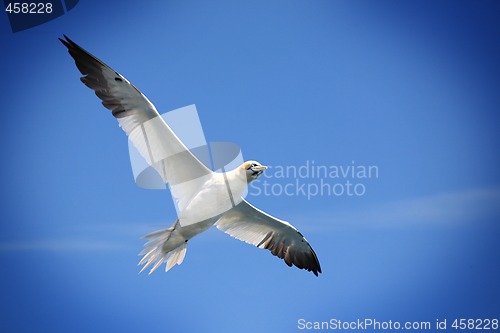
[259, 168]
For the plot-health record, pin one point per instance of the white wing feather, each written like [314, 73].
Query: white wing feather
[138, 117]
[253, 226]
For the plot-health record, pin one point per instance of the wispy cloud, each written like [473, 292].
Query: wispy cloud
[105, 236]
[442, 209]
[57, 245]
[451, 208]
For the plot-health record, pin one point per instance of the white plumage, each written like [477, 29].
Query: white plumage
[205, 198]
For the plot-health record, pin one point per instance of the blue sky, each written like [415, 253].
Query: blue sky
[411, 88]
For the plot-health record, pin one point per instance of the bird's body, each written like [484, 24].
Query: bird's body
[216, 195]
[203, 198]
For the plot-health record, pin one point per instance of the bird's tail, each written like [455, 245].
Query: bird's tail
[156, 252]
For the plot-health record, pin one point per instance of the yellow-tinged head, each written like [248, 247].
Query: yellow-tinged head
[253, 170]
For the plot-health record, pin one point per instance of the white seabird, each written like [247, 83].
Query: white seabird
[134, 113]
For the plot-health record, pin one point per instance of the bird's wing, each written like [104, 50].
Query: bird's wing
[137, 116]
[251, 225]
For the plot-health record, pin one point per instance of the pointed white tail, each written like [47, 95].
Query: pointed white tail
[154, 251]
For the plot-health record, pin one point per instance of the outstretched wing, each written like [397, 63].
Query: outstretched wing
[251, 225]
[137, 116]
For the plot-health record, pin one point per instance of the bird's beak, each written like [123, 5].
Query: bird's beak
[259, 168]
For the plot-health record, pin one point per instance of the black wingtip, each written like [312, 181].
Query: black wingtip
[78, 53]
[317, 267]
[68, 42]
[316, 271]
[65, 43]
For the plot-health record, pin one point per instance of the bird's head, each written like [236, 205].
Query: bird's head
[253, 170]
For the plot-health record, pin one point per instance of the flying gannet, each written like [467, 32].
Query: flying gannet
[164, 151]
